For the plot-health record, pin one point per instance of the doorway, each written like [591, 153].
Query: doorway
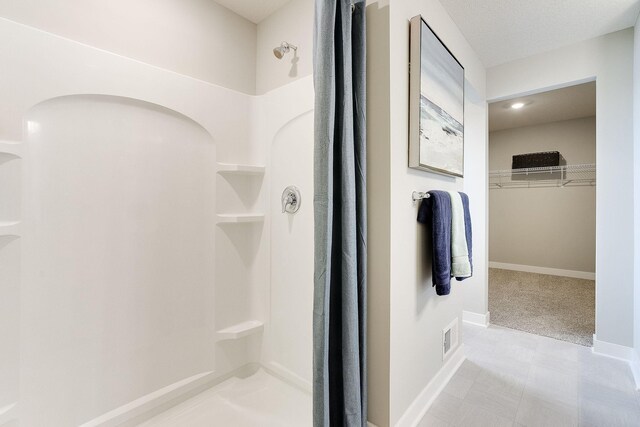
[542, 213]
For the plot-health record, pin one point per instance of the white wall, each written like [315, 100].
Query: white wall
[416, 314]
[197, 38]
[608, 59]
[286, 128]
[544, 227]
[292, 23]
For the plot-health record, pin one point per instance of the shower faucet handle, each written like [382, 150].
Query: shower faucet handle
[291, 199]
[286, 201]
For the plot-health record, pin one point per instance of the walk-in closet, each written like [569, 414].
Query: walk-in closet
[542, 213]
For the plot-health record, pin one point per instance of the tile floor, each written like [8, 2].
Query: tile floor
[513, 378]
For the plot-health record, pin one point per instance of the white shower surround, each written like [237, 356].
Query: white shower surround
[285, 121]
[242, 129]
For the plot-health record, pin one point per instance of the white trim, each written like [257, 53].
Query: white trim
[615, 351]
[620, 352]
[635, 368]
[419, 407]
[476, 318]
[544, 270]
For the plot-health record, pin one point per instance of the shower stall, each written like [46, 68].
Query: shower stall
[148, 273]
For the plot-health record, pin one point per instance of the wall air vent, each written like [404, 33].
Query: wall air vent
[449, 338]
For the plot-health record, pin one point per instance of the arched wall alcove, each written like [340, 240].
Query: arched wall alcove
[118, 253]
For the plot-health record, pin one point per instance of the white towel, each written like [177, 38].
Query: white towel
[460, 265]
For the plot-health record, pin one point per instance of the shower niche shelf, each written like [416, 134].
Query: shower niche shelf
[239, 169]
[239, 218]
[240, 330]
[10, 228]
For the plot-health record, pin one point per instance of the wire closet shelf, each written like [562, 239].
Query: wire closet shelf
[551, 176]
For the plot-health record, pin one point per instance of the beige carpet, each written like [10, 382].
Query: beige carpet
[552, 306]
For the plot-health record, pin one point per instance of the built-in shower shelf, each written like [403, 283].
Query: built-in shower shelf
[239, 218]
[239, 169]
[11, 147]
[10, 228]
[241, 330]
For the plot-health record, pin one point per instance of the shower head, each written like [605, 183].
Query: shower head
[281, 50]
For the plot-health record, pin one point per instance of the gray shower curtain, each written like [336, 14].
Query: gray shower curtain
[340, 283]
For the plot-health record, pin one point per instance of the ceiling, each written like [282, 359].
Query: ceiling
[254, 10]
[503, 30]
[573, 102]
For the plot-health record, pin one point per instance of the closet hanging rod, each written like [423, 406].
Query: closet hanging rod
[419, 195]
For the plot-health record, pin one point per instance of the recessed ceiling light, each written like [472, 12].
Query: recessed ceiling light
[517, 105]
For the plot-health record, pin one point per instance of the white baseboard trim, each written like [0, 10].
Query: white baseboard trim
[635, 368]
[612, 350]
[620, 352]
[476, 318]
[419, 407]
[544, 270]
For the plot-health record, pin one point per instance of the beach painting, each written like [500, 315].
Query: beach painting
[437, 104]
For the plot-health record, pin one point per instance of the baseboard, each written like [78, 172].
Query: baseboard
[419, 407]
[279, 371]
[615, 351]
[635, 368]
[476, 318]
[544, 270]
[620, 352]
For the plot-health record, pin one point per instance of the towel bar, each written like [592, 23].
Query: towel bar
[419, 195]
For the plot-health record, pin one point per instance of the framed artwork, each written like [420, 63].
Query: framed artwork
[436, 105]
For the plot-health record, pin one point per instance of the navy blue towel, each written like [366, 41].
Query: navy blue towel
[435, 211]
[467, 230]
